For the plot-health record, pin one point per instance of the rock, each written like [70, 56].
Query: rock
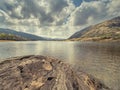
[44, 73]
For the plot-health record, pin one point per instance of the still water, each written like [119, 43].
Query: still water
[101, 60]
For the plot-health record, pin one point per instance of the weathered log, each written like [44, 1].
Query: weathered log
[43, 73]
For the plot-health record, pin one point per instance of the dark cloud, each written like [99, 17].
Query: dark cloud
[45, 11]
[31, 7]
[57, 5]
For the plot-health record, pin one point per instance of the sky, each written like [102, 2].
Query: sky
[55, 18]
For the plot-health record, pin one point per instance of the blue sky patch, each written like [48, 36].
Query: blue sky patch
[77, 2]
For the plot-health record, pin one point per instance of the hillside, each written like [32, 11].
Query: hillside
[108, 30]
[21, 34]
[4, 36]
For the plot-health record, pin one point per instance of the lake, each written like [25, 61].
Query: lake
[101, 60]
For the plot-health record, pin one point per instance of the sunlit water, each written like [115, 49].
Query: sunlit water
[101, 60]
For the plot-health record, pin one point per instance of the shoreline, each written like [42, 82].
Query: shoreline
[6, 40]
[94, 40]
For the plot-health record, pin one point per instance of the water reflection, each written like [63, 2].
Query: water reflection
[99, 59]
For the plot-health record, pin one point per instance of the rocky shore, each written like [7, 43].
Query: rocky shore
[44, 73]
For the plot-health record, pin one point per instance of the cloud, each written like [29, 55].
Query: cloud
[51, 12]
[94, 12]
[55, 18]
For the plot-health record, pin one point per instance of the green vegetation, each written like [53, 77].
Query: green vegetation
[4, 36]
[110, 35]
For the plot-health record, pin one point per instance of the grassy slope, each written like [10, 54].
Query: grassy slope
[108, 30]
[4, 36]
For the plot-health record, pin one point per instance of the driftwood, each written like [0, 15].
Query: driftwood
[43, 73]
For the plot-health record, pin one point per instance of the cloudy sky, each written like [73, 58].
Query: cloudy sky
[55, 18]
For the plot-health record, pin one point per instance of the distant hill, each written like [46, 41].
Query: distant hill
[108, 30]
[4, 36]
[21, 34]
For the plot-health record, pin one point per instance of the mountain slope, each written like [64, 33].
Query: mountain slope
[21, 34]
[80, 33]
[108, 30]
[4, 36]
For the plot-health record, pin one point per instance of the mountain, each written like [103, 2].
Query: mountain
[21, 34]
[107, 30]
[80, 33]
[4, 36]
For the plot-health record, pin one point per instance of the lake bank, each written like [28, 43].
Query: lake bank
[6, 40]
[95, 39]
